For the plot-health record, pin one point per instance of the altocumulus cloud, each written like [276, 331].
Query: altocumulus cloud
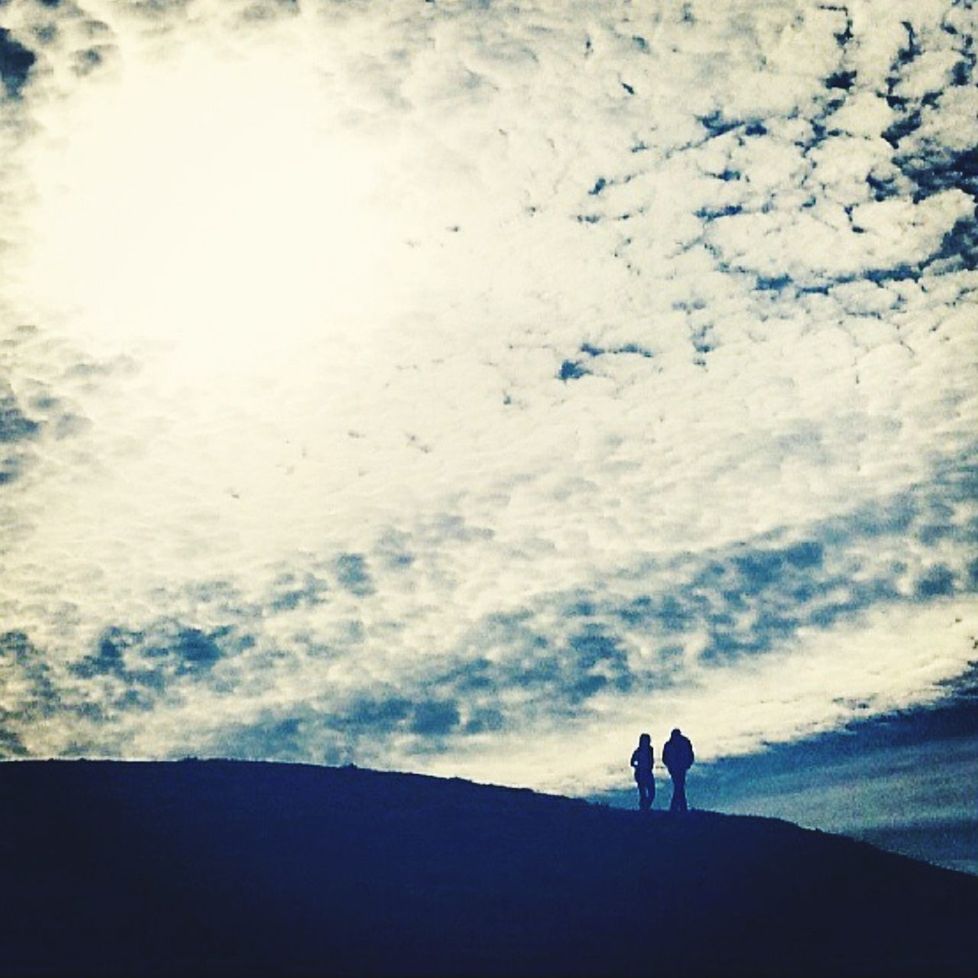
[461, 388]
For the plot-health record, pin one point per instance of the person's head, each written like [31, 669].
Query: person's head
[676, 733]
[644, 740]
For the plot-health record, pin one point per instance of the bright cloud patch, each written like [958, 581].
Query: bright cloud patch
[455, 388]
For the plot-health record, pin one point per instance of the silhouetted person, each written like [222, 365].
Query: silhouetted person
[677, 755]
[642, 763]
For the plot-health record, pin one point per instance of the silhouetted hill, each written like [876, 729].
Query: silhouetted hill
[234, 868]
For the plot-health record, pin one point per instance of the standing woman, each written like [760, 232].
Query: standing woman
[642, 764]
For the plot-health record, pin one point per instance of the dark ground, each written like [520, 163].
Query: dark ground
[236, 868]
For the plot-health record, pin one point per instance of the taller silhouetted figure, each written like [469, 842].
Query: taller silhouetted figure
[642, 763]
[677, 755]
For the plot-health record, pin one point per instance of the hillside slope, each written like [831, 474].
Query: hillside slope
[237, 868]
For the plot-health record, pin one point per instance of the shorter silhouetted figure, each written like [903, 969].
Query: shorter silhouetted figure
[677, 755]
[642, 763]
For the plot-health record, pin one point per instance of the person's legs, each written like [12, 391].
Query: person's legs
[679, 793]
[646, 792]
[678, 801]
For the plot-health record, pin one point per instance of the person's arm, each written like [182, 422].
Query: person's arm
[634, 760]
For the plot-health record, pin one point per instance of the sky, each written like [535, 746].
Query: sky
[463, 387]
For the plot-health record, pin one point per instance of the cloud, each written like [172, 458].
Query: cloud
[435, 382]
[798, 632]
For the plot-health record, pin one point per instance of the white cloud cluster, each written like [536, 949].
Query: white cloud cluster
[353, 347]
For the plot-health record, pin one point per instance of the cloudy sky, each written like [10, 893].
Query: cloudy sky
[463, 387]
